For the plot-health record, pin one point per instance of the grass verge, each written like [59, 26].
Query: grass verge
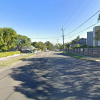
[8, 62]
[75, 56]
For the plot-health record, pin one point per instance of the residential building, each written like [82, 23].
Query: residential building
[82, 41]
[90, 37]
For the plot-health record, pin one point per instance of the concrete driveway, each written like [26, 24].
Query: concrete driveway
[51, 76]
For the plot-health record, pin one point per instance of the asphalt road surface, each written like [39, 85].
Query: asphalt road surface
[51, 76]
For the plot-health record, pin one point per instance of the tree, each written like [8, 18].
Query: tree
[39, 45]
[42, 46]
[8, 37]
[49, 45]
[34, 44]
[97, 33]
[23, 41]
[60, 46]
[67, 45]
[75, 40]
[99, 17]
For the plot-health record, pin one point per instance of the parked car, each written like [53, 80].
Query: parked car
[57, 49]
[27, 51]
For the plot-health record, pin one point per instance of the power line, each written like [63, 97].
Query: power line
[84, 29]
[84, 22]
[72, 12]
[74, 29]
[80, 12]
[46, 38]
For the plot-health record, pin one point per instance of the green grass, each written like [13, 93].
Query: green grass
[75, 55]
[13, 60]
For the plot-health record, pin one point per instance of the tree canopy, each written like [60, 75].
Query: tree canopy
[8, 37]
[34, 44]
[75, 40]
[97, 34]
[22, 41]
[60, 46]
[49, 45]
[99, 17]
[42, 46]
[39, 45]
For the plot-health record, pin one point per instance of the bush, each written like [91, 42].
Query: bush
[5, 54]
[80, 46]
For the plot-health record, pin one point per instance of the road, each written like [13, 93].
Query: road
[51, 76]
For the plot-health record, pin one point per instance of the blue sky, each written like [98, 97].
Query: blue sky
[42, 19]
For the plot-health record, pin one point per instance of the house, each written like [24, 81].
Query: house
[90, 37]
[82, 41]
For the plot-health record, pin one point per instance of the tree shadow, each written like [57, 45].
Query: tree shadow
[58, 79]
[59, 53]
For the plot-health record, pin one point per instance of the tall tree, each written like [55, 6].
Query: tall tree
[75, 40]
[67, 45]
[49, 45]
[60, 46]
[42, 46]
[97, 33]
[34, 44]
[8, 37]
[39, 45]
[23, 41]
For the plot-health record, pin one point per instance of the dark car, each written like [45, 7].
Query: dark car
[27, 51]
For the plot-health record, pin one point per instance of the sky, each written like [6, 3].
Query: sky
[42, 20]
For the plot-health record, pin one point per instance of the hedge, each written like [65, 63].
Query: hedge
[5, 54]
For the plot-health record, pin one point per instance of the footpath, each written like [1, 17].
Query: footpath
[89, 58]
[93, 58]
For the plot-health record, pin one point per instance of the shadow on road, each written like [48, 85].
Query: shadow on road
[60, 53]
[58, 79]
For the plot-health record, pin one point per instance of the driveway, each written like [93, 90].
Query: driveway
[51, 76]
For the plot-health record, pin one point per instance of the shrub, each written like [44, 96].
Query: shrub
[5, 54]
[80, 46]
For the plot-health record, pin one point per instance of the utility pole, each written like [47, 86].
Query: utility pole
[63, 37]
[57, 41]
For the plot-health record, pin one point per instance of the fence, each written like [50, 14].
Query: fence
[86, 51]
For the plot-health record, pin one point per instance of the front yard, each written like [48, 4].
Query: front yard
[10, 61]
